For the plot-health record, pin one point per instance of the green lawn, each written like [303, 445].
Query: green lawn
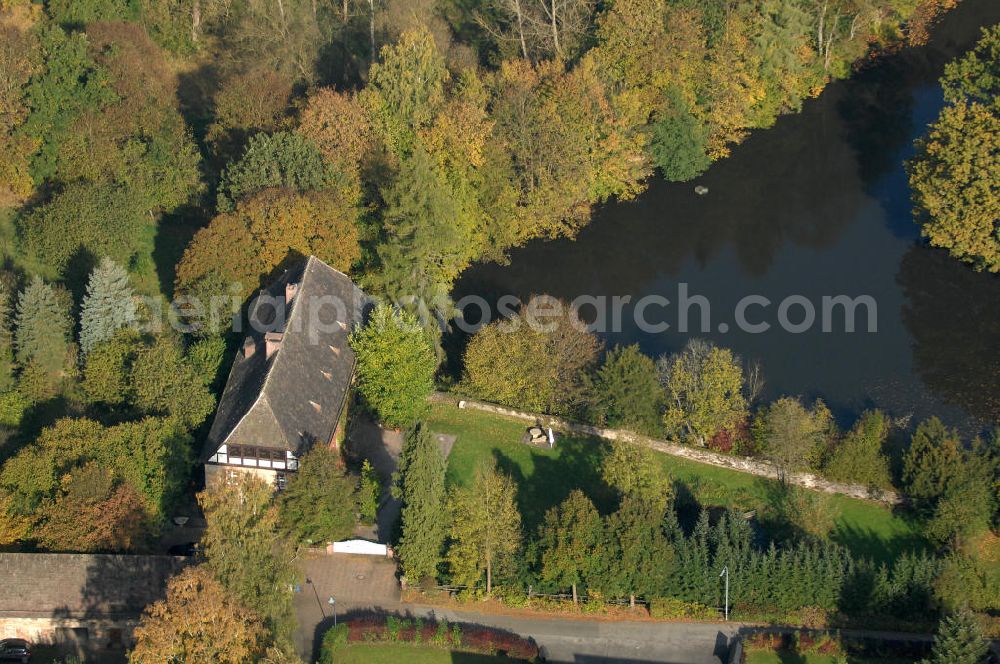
[393, 653]
[545, 477]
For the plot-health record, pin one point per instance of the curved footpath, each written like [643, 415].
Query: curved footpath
[698, 454]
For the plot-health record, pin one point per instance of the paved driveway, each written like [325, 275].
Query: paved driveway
[355, 582]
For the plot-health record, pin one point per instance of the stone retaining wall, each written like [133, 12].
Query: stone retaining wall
[698, 454]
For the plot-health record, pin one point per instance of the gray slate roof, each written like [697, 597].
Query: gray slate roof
[293, 398]
[82, 585]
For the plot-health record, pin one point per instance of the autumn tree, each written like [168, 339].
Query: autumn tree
[93, 511]
[105, 119]
[485, 527]
[19, 60]
[558, 146]
[341, 128]
[420, 487]
[245, 553]
[704, 390]
[198, 621]
[148, 462]
[539, 359]
[567, 539]
[538, 29]
[627, 392]
[246, 104]
[108, 305]
[956, 199]
[264, 233]
[634, 469]
[396, 366]
[407, 89]
[319, 501]
[793, 436]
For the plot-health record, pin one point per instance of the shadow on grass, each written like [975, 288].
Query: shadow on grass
[577, 465]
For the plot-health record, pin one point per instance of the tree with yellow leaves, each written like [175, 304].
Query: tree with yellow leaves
[198, 622]
[956, 193]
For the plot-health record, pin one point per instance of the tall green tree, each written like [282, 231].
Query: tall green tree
[704, 390]
[320, 500]
[933, 465]
[627, 392]
[108, 305]
[420, 486]
[429, 241]
[679, 145]
[959, 640]
[245, 552]
[396, 365]
[639, 557]
[42, 328]
[165, 382]
[568, 537]
[485, 527]
[859, 457]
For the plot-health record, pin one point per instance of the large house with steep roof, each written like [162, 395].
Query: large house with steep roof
[290, 381]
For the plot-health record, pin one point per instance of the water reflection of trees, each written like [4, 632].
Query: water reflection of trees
[797, 183]
[953, 316]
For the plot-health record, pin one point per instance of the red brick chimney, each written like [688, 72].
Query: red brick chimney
[272, 342]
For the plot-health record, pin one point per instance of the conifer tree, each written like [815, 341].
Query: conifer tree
[42, 328]
[420, 487]
[108, 306]
[959, 641]
[568, 537]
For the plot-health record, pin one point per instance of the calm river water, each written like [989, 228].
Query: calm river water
[816, 206]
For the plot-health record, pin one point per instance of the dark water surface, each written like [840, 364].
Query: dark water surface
[817, 205]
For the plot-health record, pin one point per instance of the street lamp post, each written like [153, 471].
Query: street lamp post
[725, 572]
[333, 607]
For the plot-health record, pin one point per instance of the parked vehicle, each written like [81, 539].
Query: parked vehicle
[15, 650]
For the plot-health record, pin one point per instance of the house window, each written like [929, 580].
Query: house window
[280, 480]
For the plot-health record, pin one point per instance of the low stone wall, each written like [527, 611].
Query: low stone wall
[698, 454]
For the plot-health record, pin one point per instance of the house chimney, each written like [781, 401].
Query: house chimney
[249, 346]
[272, 342]
[290, 290]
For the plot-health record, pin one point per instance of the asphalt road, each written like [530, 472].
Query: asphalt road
[593, 641]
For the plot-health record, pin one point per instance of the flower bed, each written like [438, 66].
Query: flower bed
[454, 637]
